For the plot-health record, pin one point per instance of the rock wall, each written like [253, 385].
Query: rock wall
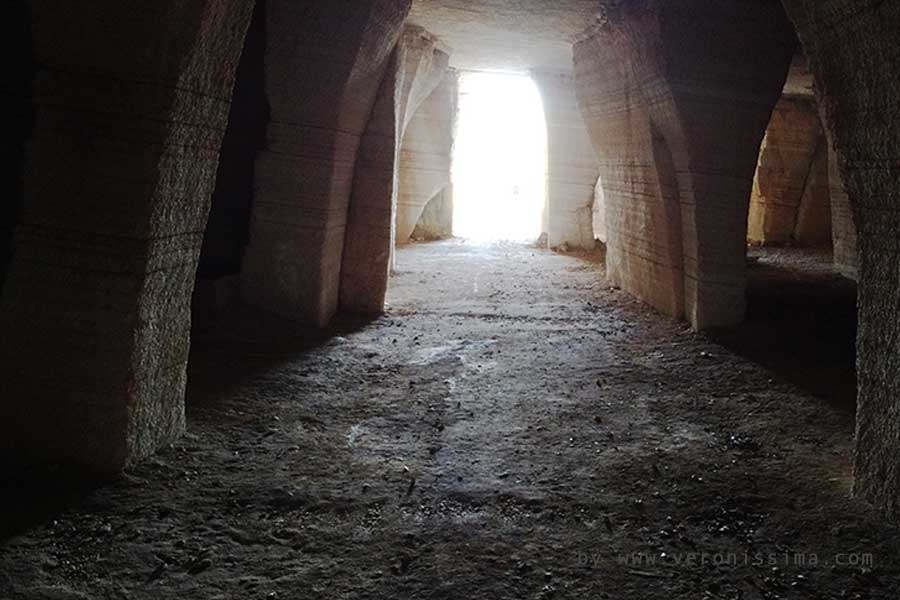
[677, 97]
[426, 155]
[786, 162]
[416, 69]
[598, 217]
[436, 220]
[324, 64]
[228, 229]
[643, 217]
[843, 228]
[854, 55]
[17, 119]
[813, 227]
[572, 165]
[130, 103]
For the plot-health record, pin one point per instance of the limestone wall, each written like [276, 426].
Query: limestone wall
[643, 220]
[853, 53]
[417, 68]
[425, 163]
[436, 220]
[677, 97]
[324, 64]
[843, 227]
[572, 165]
[786, 162]
[228, 229]
[813, 227]
[598, 217]
[131, 102]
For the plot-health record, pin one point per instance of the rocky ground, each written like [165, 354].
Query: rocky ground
[512, 428]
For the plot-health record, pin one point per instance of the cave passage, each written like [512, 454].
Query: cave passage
[499, 159]
[429, 449]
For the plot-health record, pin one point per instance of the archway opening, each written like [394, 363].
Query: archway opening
[499, 158]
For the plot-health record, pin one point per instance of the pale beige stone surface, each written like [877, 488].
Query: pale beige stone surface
[572, 165]
[425, 164]
[324, 67]
[418, 66]
[677, 99]
[786, 161]
[854, 55]
[507, 35]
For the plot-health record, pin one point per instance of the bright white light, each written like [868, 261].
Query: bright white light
[499, 159]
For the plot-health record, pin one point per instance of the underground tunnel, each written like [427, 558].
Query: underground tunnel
[450, 298]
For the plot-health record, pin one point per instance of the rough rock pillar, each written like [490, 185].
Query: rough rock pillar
[571, 163]
[324, 63]
[686, 89]
[854, 56]
[843, 229]
[425, 161]
[131, 102]
[786, 160]
[416, 70]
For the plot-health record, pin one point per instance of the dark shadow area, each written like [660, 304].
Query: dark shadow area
[234, 351]
[15, 84]
[30, 496]
[235, 348]
[801, 323]
[228, 228]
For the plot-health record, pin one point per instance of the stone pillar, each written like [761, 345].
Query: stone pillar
[640, 193]
[436, 219]
[854, 56]
[687, 89]
[425, 161]
[131, 102]
[572, 165]
[785, 162]
[324, 64]
[843, 229]
[416, 70]
[814, 213]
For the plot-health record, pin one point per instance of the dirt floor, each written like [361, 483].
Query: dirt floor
[512, 428]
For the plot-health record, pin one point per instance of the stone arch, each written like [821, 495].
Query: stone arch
[571, 163]
[418, 66]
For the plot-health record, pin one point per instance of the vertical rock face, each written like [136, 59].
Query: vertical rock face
[17, 120]
[425, 161]
[228, 229]
[324, 64]
[417, 68]
[786, 162]
[843, 228]
[131, 102]
[436, 219]
[599, 212]
[677, 96]
[854, 55]
[814, 213]
[571, 163]
[643, 218]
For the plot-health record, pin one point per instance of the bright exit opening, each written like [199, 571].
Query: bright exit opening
[499, 159]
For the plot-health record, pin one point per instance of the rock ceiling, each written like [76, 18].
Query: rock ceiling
[517, 35]
[507, 35]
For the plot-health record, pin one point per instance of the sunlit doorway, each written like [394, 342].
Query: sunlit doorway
[499, 159]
